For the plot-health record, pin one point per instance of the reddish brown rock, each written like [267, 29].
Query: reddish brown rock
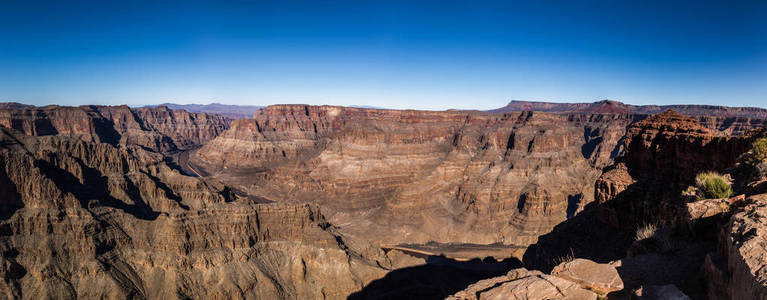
[701, 209]
[612, 106]
[523, 284]
[663, 155]
[91, 220]
[677, 148]
[416, 176]
[158, 129]
[745, 248]
[600, 278]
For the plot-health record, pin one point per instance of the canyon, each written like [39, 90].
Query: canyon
[330, 202]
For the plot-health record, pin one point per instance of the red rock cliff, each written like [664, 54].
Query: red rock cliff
[415, 176]
[159, 128]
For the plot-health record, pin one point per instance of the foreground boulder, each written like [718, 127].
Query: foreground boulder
[707, 208]
[600, 278]
[524, 284]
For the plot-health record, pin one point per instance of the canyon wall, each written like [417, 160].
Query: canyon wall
[691, 110]
[91, 220]
[158, 129]
[663, 155]
[418, 176]
[299, 201]
[722, 119]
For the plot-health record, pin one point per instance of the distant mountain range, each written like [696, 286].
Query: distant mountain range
[611, 106]
[231, 111]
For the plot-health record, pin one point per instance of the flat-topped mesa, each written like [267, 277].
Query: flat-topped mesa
[725, 120]
[688, 110]
[607, 107]
[158, 128]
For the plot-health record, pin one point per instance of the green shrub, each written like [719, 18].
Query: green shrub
[712, 185]
[759, 149]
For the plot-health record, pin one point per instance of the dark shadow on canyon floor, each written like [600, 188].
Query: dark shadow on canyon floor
[582, 236]
[438, 278]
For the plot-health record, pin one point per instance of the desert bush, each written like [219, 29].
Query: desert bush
[759, 150]
[712, 185]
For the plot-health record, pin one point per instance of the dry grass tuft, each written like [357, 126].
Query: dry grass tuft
[645, 232]
[565, 258]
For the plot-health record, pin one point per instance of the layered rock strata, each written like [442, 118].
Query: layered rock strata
[158, 129]
[418, 176]
[663, 155]
[721, 119]
[91, 220]
[616, 106]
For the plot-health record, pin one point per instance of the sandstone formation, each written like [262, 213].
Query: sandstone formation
[91, 220]
[676, 148]
[721, 119]
[309, 202]
[663, 155]
[600, 278]
[698, 210]
[418, 176]
[615, 106]
[158, 129]
[523, 284]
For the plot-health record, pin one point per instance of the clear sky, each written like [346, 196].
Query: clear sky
[414, 54]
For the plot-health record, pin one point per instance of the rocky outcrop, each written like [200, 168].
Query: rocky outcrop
[416, 176]
[676, 148]
[744, 254]
[524, 284]
[600, 278]
[663, 154]
[158, 129]
[92, 220]
[697, 211]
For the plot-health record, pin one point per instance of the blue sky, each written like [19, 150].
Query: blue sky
[414, 54]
